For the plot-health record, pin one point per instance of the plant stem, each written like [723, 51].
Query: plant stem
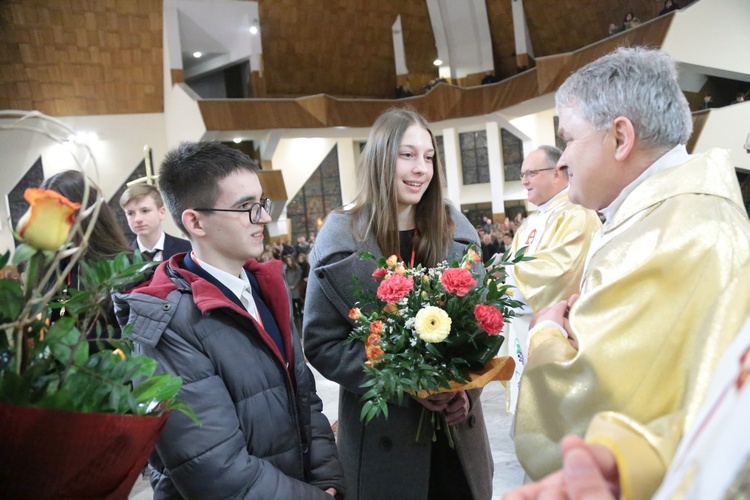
[25, 318]
[448, 433]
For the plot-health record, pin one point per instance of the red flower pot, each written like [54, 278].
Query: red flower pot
[62, 454]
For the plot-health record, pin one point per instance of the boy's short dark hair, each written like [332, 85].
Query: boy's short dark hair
[190, 174]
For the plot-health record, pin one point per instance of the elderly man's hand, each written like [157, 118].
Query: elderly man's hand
[559, 314]
[589, 472]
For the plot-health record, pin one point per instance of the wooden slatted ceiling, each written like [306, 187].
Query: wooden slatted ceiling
[81, 57]
[342, 47]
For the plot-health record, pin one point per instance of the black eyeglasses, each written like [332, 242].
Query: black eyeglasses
[254, 212]
[533, 173]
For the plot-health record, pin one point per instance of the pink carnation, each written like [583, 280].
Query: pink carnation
[394, 288]
[457, 280]
[489, 318]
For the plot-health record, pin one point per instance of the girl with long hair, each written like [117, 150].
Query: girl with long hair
[400, 210]
[106, 240]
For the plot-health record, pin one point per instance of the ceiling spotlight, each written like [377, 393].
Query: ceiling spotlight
[237, 140]
[437, 62]
[253, 30]
[197, 54]
[83, 138]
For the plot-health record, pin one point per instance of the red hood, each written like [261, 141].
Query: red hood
[207, 296]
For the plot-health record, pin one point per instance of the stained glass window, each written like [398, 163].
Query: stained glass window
[318, 197]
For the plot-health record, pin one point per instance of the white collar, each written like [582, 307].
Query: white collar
[547, 204]
[236, 284]
[159, 247]
[672, 158]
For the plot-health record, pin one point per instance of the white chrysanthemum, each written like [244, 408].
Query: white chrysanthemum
[432, 324]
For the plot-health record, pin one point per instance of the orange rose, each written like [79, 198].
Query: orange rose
[45, 226]
[391, 261]
[355, 313]
[376, 327]
[473, 255]
[374, 352]
[373, 339]
[391, 309]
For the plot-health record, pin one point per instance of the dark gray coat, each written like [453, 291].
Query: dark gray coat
[381, 459]
[263, 434]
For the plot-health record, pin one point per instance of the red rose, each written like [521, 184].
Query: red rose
[379, 273]
[489, 318]
[394, 288]
[457, 280]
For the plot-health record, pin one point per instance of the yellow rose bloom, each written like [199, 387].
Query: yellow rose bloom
[432, 324]
[45, 226]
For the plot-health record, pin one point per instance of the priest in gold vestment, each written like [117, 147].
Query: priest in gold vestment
[628, 363]
[558, 236]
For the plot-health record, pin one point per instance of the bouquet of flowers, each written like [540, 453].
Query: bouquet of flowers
[430, 330]
[45, 355]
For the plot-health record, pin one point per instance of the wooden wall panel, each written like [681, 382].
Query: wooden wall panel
[500, 18]
[568, 25]
[342, 47]
[81, 57]
[553, 71]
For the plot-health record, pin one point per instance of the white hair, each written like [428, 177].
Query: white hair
[637, 83]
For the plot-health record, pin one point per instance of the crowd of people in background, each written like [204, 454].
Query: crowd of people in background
[709, 102]
[296, 267]
[631, 21]
[497, 238]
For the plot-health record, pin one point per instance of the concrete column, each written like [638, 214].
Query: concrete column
[521, 35]
[347, 170]
[452, 155]
[497, 170]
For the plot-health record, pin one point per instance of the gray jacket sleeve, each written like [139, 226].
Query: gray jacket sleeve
[334, 259]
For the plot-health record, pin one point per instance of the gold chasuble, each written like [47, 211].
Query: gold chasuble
[559, 251]
[649, 336]
[558, 237]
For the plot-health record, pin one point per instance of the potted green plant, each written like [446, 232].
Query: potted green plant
[74, 422]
